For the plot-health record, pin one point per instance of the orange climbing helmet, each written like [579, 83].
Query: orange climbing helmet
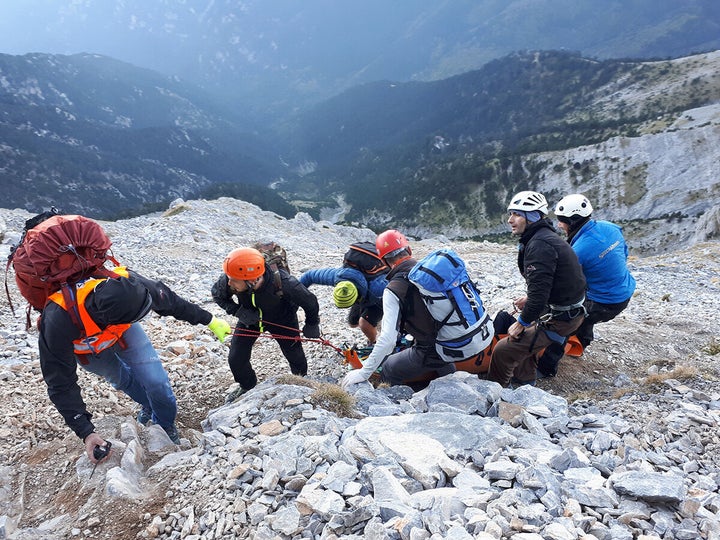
[244, 263]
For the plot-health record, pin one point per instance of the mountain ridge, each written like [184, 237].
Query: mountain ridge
[274, 55]
[452, 150]
[95, 135]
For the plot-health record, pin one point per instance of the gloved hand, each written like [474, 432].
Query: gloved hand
[353, 377]
[247, 316]
[311, 330]
[220, 328]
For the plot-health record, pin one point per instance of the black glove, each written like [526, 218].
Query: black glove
[247, 316]
[311, 330]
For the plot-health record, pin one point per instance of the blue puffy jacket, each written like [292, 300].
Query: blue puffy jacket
[602, 252]
[370, 291]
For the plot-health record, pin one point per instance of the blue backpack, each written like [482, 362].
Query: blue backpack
[464, 328]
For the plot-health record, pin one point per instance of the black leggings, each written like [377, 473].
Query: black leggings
[241, 349]
[596, 312]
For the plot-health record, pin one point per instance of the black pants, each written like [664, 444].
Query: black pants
[412, 363]
[596, 313]
[241, 349]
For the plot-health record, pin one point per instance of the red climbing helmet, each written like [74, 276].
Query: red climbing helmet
[389, 242]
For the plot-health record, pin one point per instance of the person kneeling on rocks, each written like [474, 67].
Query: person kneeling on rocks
[553, 307]
[246, 289]
[603, 253]
[399, 318]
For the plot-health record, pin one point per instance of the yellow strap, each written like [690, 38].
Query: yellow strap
[260, 324]
[121, 271]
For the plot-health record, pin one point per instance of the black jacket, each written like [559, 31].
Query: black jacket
[118, 301]
[275, 308]
[416, 319]
[551, 270]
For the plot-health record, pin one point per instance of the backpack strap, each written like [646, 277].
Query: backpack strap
[277, 279]
[7, 289]
[467, 289]
[453, 303]
[70, 299]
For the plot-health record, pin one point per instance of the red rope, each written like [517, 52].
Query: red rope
[248, 332]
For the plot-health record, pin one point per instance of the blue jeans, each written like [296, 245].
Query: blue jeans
[133, 366]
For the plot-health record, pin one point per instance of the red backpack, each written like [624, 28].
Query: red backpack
[56, 250]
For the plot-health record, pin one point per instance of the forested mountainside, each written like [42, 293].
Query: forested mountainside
[105, 138]
[445, 156]
[97, 136]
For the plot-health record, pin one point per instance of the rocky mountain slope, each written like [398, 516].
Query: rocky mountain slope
[622, 444]
[639, 139]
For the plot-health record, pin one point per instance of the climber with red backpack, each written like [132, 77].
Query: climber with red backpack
[248, 290]
[90, 317]
[358, 285]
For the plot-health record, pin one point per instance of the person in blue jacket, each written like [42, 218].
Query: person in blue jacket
[602, 252]
[354, 290]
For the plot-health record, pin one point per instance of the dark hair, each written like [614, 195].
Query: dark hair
[574, 223]
[401, 253]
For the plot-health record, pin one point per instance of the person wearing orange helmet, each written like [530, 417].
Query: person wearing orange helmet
[403, 312]
[247, 290]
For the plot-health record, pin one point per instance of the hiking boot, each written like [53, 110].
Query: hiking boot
[540, 375]
[144, 416]
[172, 433]
[232, 396]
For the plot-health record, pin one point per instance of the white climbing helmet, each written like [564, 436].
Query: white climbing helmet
[527, 201]
[574, 205]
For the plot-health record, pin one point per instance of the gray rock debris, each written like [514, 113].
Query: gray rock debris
[273, 466]
[461, 459]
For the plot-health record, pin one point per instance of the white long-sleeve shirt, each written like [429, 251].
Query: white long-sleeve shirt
[389, 331]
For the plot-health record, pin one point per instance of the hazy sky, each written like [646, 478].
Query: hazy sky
[47, 26]
[336, 43]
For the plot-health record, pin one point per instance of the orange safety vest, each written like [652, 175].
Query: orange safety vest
[93, 339]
